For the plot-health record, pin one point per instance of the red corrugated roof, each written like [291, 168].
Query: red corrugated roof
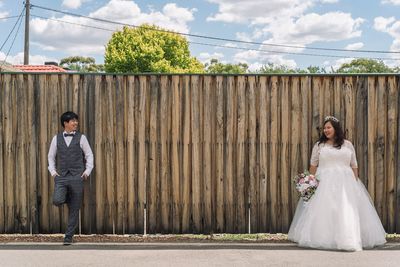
[39, 68]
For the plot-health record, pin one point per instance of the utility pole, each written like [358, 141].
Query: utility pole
[26, 47]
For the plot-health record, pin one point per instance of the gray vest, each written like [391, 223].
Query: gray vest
[70, 158]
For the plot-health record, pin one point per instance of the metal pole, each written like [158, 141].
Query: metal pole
[26, 47]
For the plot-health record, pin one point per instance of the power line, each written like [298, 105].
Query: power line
[10, 17]
[222, 39]
[15, 36]
[19, 17]
[226, 46]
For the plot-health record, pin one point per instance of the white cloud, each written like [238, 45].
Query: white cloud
[72, 39]
[206, 57]
[390, 26]
[335, 64]
[73, 4]
[243, 36]
[19, 59]
[391, 2]
[355, 46]
[285, 22]
[257, 10]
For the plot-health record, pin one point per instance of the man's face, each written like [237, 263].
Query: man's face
[71, 125]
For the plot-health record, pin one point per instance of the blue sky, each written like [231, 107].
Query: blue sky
[273, 25]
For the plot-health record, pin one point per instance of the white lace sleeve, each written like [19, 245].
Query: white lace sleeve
[353, 161]
[315, 155]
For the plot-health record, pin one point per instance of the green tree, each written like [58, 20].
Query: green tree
[81, 64]
[364, 65]
[149, 49]
[217, 67]
[271, 68]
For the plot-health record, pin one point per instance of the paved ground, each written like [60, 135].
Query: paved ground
[190, 254]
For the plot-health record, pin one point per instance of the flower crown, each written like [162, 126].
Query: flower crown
[331, 118]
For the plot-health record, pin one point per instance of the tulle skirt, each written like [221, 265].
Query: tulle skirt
[339, 216]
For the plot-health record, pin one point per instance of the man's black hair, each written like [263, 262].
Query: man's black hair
[67, 116]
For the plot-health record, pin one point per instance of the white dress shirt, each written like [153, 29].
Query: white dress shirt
[85, 148]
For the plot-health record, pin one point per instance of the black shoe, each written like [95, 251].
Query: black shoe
[67, 240]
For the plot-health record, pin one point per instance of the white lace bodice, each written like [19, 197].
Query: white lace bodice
[325, 155]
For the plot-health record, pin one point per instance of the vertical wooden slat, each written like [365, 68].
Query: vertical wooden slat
[109, 152]
[9, 102]
[165, 174]
[3, 85]
[253, 160]
[142, 155]
[131, 156]
[372, 135]
[186, 178]
[230, 152]
[207, 161]
[196, 154]
[306, 120]
[98, 150]
[219, 155]
[392, 154]
[120, 141]
[285, 163]
[296, 164]
[274, 155]
[154, 192]
[32, 156]
[361, 130]
[263, 209]
[349, 107]
[43, 151]
[317, 108]
[241, 181]
[381, 157]
[175, 151]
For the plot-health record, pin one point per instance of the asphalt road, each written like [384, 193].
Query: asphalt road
[190, 254]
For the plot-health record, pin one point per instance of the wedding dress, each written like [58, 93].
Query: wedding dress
[340, 215]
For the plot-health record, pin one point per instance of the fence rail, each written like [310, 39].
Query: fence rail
[192, 153]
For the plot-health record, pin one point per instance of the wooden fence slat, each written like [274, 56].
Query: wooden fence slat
[253, 160]
[3, 84]
[381, 156]
[153, 197]
[296, 164]
[207, 162]
[186, 178]
[392, 135]
[98, 150]
[196, 117]
[263, 207]
[241, 151]
[372, 135]
[230, 152]
[274, 156]
[130, 156]
[219, 155]
[285, 186]
[165, 174]
[175, 151]
[120, 157]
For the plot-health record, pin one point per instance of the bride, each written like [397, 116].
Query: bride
[340, 215]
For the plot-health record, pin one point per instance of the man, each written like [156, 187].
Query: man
[67, 152]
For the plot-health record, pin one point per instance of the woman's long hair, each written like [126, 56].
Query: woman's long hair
[339, 134]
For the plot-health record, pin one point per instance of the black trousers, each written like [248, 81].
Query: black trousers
[69, 189]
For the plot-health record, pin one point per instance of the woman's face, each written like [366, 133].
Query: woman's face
[329, 131]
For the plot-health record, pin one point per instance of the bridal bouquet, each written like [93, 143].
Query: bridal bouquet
[306, 184]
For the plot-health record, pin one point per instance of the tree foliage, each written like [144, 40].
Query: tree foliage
[365, 65]
[149, 49]
[217, 67]
[81, 64]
